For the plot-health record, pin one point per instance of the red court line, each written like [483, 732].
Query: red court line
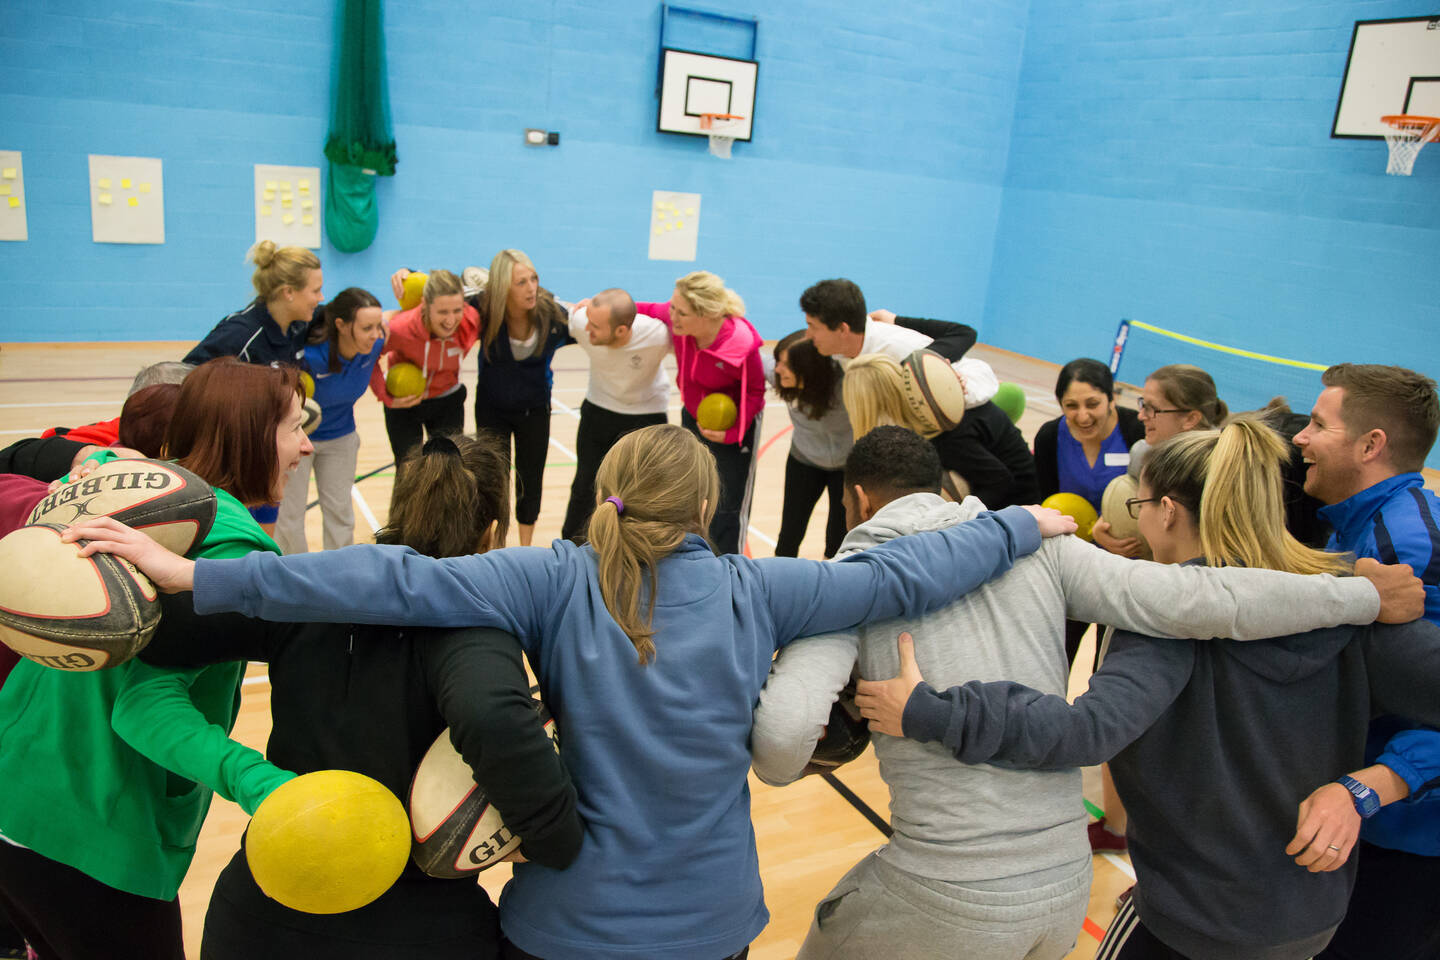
[1092, 928]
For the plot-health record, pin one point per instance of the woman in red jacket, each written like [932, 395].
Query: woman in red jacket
[436, 336]
[718, 351]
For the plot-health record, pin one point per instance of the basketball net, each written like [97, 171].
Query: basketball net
[721, 129]
[1406, 136]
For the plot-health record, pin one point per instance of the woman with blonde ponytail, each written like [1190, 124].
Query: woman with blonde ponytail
[1213, 744]
[272, 328]
[651, 652]
[718, 351]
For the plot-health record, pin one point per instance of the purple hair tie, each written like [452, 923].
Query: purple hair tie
[619, 504]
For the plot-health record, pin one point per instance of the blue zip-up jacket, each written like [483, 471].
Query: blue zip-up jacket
[517, 386]
[659, 754]
[1398, 521]
[252, 335]
[337, 392]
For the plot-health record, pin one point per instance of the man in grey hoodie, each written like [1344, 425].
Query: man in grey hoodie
[986, 861]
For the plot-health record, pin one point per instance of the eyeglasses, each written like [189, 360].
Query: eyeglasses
[1132, 506]
[1142, 408]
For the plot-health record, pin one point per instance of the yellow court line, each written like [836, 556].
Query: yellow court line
[1224, 349]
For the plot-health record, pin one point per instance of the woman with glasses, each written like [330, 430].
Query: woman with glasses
[1083, 450]
[1217, 746]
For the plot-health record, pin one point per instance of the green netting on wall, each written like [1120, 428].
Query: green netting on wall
[360, 134]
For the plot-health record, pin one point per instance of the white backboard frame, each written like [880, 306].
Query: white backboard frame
[695, 83]
[1393, 67]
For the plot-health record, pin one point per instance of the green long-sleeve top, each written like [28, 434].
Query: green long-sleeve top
[111, 772]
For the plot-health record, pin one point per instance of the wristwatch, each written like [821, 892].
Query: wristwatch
[1367, 801]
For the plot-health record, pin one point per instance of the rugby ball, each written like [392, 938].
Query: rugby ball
[454, 830]
[934, 390]
[1112, 508]
[171, 504]
[71, 612]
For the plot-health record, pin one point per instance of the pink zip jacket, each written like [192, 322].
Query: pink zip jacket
[731, 365]
[410, 342]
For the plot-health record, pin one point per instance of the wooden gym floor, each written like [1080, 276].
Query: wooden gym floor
[808, 835]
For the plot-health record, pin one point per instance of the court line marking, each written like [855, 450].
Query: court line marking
[1094, 929]
[364, 509]
[1120, 865]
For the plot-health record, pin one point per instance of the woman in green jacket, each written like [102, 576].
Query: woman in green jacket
[105, 790]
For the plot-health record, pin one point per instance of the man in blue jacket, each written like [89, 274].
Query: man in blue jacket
[1369, 434]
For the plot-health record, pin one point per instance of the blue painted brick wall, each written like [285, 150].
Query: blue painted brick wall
[880, 152]
[1171, 162]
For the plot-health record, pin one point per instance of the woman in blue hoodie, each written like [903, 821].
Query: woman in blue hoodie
[651, 652]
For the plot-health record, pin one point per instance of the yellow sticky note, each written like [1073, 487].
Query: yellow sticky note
[104, 199]
[14, 201]
[307, 220]
[8, 173]
[304, 186]
[658, 231]
[104, 183]
[134, 201]
[287, 219]
[265, 211]
[270, 184]
[307, 204]
[689, 211]
[269, 194]
[284, 184]
[125, 183]
[661, 215]
[285, 201]
[144, 188]
[679, 224]
[4, 189]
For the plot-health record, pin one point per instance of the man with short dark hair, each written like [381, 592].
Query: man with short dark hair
[968, 840]
[836, 322]
[1369, 433]
[628, 389]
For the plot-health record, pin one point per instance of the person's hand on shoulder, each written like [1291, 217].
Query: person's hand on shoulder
[1052, 522]
[1402, 595]
[882, 702]
[397, 282]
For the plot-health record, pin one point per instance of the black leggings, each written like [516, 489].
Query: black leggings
[439, 415]
[1395, 903]
[69, 915]
[531, 430]
[599, 429]
[1127, 939]
[736, 463]
[803, 485]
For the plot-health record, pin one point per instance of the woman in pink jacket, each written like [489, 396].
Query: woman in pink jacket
[436, 336]
[718, 351]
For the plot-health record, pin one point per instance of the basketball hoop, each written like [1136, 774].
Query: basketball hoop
[1406, 137]
[721, 127]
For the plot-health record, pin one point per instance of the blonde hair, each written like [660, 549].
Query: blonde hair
[1191, 389]
[874, 394]
[1231, 482]
[666, 479]
[708, 296]
[497, 291]
[438, 283]
[279, 267]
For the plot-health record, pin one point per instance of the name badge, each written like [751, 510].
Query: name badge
[1117, 459]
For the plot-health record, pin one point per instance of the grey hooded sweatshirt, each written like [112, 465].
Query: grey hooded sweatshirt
[1228, 739]
[974, 824]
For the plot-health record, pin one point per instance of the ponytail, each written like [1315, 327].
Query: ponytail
[1231, 481]
[666, 486]
[448, 496]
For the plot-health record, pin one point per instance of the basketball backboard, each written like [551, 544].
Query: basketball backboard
[692, 84]
[1393, 68]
